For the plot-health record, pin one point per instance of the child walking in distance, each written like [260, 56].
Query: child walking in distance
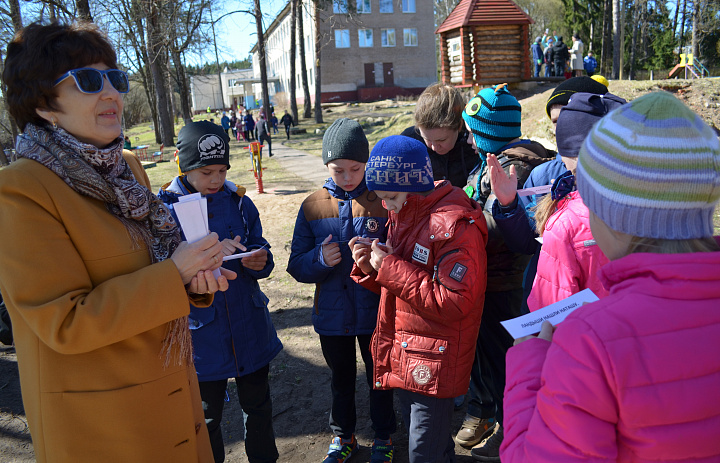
[633, 377]
[431, 276]
[233, 338]
[343, 310]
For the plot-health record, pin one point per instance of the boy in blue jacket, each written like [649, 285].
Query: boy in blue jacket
[233, 338]
[343, 310]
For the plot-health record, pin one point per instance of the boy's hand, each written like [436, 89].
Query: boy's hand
[504, 187]
[360, 248]
[231, 245]
[255, 261]
[331, 252]
[378, 253]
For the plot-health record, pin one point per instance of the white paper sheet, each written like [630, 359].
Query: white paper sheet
[242, 254]
[554, 313]
[536, 190]
[191, 212]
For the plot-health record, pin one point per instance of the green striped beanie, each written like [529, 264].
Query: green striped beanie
[651, 169]
[493, 115]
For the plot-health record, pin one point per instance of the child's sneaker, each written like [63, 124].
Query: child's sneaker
[340, 450]
[382, 451]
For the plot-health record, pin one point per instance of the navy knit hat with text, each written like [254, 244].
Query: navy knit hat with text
[399, 163]
[494, 118]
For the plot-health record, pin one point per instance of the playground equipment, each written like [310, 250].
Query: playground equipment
[256, 155]
[692, 67]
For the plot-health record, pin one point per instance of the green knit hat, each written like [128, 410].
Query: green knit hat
[651, 169]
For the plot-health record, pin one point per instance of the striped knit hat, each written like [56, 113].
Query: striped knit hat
[494, 118]
[651, 169]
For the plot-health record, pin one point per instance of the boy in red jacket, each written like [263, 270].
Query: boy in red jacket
[431, 276]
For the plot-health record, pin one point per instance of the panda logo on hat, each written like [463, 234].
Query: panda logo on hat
[211, 146]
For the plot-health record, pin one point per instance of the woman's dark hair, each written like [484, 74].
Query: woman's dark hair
[39, 54]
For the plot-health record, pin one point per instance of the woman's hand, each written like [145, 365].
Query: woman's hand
[204, 254]
[546, 333]
[255, 261]
[231, 245]
[331, 252]
[206, 283]
[504, 187]
[360, 248]
[378, 253]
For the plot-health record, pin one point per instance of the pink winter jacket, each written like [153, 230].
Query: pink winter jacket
[634, 377]
[569, 258]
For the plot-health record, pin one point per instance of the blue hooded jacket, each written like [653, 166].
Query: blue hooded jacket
[235, 335]
[341, 306]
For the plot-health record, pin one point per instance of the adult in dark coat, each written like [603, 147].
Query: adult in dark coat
[559, 55]
[287, 121]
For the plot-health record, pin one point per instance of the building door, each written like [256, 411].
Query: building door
[388, 77]
[369, 74]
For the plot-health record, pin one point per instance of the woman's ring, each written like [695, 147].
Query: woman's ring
[216, 259]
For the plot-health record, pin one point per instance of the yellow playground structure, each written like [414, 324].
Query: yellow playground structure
[692, 68]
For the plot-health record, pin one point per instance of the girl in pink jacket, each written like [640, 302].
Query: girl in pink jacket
[569, 259]
[635, 376]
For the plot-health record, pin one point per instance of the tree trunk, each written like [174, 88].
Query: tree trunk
[262, 60]
[623, 4]
[617, 50]
[163, 132]
[293, 55]
[16, 18]
[303, 65]
[675, 21]
[694, 42]
[633, 46]
[318, 46]
[682, 27]
[182, 86]
[607, 29]
[83, 10]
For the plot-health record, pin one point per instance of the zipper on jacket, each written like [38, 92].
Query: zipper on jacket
[437, 264]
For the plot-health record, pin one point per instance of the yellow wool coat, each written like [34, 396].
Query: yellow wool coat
[89, 316]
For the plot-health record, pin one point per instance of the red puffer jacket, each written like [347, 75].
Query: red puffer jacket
[432, 293]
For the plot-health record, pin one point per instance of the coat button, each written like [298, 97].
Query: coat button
[377, 384]
[432, 237]
[404, 344]
[210, 215]
[209, 199]
[441, 348]
[447, 234]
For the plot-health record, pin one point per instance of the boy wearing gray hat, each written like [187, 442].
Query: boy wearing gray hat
[343, 311]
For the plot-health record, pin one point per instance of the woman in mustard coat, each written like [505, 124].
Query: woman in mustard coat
[94, 274]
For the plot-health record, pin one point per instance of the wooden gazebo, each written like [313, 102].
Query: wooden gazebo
[485, 42]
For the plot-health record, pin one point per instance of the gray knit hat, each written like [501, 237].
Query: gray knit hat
[651, 169]
[345, 139]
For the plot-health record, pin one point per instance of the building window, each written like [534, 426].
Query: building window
[231, 82]
[363, 6]
[386, 6]
[365, 38]
[410, 37]
[340, 6]
[342, 38]
[408, 6]
[387, 37]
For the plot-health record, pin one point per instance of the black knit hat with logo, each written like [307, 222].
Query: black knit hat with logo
[202, 144]
[345, 139]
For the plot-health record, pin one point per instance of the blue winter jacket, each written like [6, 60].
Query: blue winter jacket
[235, 336]
[341, 307]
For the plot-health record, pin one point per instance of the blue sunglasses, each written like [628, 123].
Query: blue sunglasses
[90, 80]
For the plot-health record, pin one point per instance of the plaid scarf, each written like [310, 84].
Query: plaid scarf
[103, 174]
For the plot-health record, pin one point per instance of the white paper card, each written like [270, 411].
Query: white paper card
[191, 211]
[539, 239]
[535, 190]
[242, 254]
[554, 313]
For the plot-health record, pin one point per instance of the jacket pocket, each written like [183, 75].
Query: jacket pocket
[201, 317]
[421, 358]
[260, 300]
[146, 422]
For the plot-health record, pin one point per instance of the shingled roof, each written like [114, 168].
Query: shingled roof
[484, 13]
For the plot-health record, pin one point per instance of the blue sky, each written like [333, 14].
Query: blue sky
[236, 33]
